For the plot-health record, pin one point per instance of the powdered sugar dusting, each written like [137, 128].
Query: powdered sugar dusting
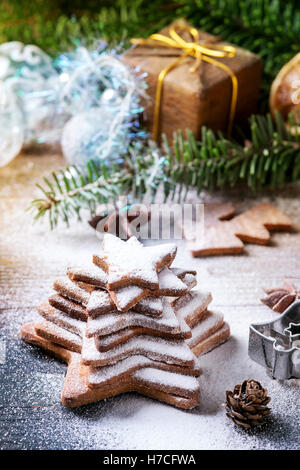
[184, 327]
[71, 290]
[169, 284]
[64, 321]
[69, 307]
[190, 280]
[133, 261]
[206, 327]
[191, 304]
[108, 340]
[170, 351]
[60, 333]
[104, 374]
[110, 323]
[167, 379]
[125, 296]
[101, 375]
[31, 381]
[99, 302]
[169, 280]
[150, 305]
[91, 274]
[181, 272]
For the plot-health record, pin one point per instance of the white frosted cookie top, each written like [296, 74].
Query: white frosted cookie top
[189, 280]
[150, 305]
[100, 301]
[60, 333]
[125, 296]
[71, 290]
[206, 327]
[124, 334]
[170, 351]
[212, 340]
[101, 375]
[59, 318]
[132, 260]
[90, 274]
[194, 301]
[111, 322]
[181, 272]
[168, 280]
[167, 379]
[108, 340]
[211, 320]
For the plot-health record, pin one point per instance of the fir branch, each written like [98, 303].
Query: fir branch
[270, 28]
[61, 25]
[272, 158]
[67, 192]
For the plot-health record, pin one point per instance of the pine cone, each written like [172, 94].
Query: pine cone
[246, 406]
[280, 298]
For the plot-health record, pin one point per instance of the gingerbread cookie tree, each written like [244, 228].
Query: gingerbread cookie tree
[128, 323]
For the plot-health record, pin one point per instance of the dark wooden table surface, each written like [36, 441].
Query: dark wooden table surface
[30, 382]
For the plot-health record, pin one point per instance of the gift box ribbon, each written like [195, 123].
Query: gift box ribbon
[201, 52]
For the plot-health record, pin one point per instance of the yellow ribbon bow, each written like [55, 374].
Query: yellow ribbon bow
[200, 51]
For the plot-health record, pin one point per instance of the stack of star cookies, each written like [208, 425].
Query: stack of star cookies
[122, 325]
[208, 328]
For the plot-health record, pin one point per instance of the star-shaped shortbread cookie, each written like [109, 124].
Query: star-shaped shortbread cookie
[130, 263]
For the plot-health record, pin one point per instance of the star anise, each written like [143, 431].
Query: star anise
[280, 298]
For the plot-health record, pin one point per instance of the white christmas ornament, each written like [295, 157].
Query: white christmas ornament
[11, 127]
[88, 100]
[86, 135]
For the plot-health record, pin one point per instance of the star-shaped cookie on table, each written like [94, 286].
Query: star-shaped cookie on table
[224, 234]
[130, 263]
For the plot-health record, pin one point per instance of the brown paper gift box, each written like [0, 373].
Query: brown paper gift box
[193, 99]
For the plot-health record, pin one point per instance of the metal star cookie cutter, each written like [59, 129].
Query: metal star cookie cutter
[276, 344]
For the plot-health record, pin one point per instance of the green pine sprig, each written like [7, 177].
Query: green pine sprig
[270, 28]
[67, 192]
[270, 158]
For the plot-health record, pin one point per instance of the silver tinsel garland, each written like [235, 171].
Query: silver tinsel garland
[86, 99]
